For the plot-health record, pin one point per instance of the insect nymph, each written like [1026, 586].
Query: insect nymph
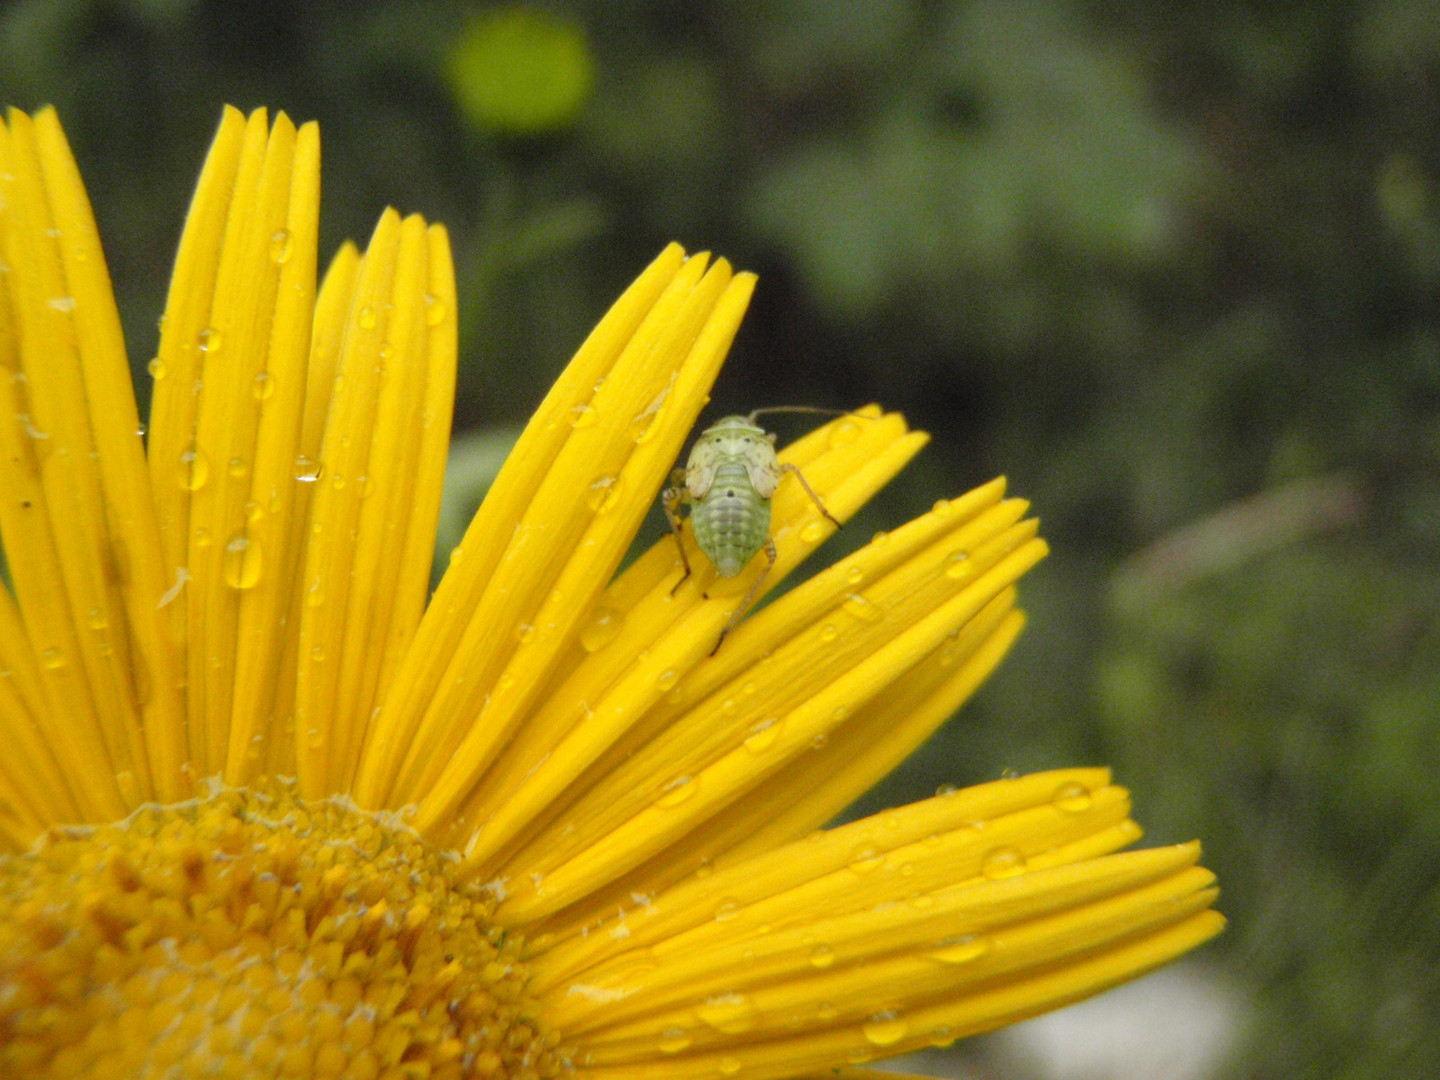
[727, 483]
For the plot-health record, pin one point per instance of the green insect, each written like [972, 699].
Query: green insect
[727, 484]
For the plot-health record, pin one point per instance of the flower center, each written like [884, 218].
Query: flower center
[251, 934]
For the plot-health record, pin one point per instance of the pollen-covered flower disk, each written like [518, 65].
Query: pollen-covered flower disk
[268, 811]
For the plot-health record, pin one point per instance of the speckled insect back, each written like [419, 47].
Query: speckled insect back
[728, 482]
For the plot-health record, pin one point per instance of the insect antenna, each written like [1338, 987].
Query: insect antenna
[813, 409]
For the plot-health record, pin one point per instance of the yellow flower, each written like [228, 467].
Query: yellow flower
[268, 812]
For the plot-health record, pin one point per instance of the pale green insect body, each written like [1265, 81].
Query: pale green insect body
[727, 483]
[730, 478]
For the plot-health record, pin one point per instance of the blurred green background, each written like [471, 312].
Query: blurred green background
[1172, 267]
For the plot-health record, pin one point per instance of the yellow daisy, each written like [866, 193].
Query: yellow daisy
[268, 811]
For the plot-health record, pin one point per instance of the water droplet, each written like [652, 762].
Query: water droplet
[600, 628]
[862, 608]
[194, 469]
[673, 1040]
[315, 594]
[525, 633]
[879, 538]
[367, 318]
[865, 859]
[729, 1013]
[843, 433]
[201, 538]
[237, 468]
[582, 416]
[825, 1012]
[603, 493]
[957, 565]
[52, 659]
[822, 956]
[262, 387]
[242, 562]
[95, 618]
[676, 791]
[728, 1066]
[818, 741]
[209, 340]
[436, 311]
[642, 427]
[307, 469]
[456, 554]
[828, 632]
[884, 1029]
[946, 789]
[63, 303]
[317, 653]
[941, 508]
[942, 1035]
[667, 679]
[855, 575]
[156, 367]
[1003, 862]
[727, 909]
[281, 246]
[813, 532]
[1072, 798]
[959, 950]
[763, 735]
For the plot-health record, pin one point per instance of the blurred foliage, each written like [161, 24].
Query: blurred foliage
[1172, 266]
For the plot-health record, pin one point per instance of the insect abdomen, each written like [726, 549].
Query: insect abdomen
[731, 522]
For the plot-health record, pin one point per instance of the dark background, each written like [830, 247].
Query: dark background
[1172, 267]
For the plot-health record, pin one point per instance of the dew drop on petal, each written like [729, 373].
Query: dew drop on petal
[763, 735]
[243, 563]
[822, 956]
[603, 493]
[828, 633]
[957, 565]
[884, 1029]
[281, 246]
[307, 469]
[855, 575]
[728, 1066]
[525, 633]
[209, 340]
[600, 628]
[367, 318]
[813, 532]
[865, 859]
[156, 367]
[843, 433]
[731, 1014]
[862, 608]
[194, 469]
[582, 416]
[262, 387]
[677, 791]
[959, 950]
[1072, 798]
[727, 909]
[1003, 862]
[52, 659]
[435, 311]
[674, 1040]
[667, 679]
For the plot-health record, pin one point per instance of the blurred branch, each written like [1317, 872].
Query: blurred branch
[1244, 530]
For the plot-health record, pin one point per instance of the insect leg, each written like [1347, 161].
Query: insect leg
[769, 549]
[787, 467]
[672, 499]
